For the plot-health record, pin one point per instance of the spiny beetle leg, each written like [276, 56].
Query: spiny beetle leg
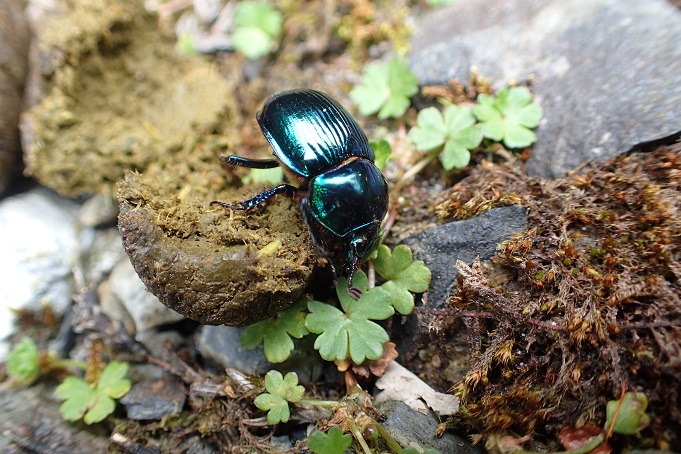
[247, 205]
[250, 163]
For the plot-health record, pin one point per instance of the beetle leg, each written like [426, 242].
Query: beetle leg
[247, 205]
[238, 161]
[354, 292]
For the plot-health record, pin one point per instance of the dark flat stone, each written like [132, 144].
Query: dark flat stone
[411, 428]
[155, 399]
[442, 246]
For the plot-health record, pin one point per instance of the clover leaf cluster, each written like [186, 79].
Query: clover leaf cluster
[23, 362]
[385, 89]
[349, 332]
[280, 391]
[257, 26]
[93, 401]
[455, 132]
[507, 117]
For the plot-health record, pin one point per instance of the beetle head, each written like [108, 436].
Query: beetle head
[359, 245]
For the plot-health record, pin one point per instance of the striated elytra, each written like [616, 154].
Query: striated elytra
[343, 195]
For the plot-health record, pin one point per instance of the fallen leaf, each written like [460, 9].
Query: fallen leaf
[400, 384]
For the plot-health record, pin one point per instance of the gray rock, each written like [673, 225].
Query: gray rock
[101, 250]
[411, 428]
[99, 210]
[39, 244]
[442, 246]
[31, 422]
[221, 345]
[113, 308]
[155, 399]
[144, 308]
[606, 72]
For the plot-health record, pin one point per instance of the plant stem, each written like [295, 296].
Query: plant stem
[411, 173]
[392, 443]
[320, 403]
[358, 435]
[66, 363]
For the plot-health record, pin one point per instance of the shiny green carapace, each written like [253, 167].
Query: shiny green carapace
[343, 195]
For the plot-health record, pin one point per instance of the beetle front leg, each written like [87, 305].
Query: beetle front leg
[247, 205]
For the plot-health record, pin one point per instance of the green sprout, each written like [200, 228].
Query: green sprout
[93, 401]
[382, 151]
[185, 44]
[257, 25]
[280, 391]
[631, 417]
[275, 333]
[23, 362]
[455, 133]
[332, 442]
[386, 89]
[509, 116]
[350, 333]
[26, 363]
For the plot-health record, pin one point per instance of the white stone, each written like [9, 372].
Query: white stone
[38, 247]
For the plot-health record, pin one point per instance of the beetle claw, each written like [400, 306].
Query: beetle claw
[354, 293]
[241, 206]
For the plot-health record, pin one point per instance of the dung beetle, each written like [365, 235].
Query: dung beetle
[343, 195]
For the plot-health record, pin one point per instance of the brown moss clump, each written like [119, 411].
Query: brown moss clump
[117, 97]
[593, 305]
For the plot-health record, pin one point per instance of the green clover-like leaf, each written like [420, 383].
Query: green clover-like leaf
[93, 404]
[351, 334]
[256, 26]
[101, 407]
[386, 89]
[509, 116]
[112, 382]
[23, 362]
[332, 442]
[275, 333]
[404, 276]
[382, 151]
[78, 395]
[276, 407]
[632, 416]
[280, 391]
[455, 131]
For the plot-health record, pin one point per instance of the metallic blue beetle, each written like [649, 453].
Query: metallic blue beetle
[343, 195]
